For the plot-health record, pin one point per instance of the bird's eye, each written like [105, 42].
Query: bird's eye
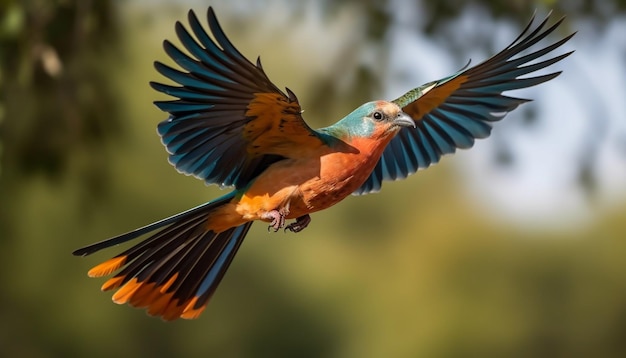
[377, 116]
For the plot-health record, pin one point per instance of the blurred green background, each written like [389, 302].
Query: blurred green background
[427, 268]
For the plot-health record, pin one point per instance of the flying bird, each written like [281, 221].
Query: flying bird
[229, 125]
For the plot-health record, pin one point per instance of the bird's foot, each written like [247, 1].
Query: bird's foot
[300, 224]
[278, 219]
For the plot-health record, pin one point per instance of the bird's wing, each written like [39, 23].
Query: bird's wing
[452, 112]
[229, 122]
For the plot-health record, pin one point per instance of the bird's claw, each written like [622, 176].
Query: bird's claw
[300, 224]
[278, 219]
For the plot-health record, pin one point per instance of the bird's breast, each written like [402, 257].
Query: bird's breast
[340, 175]
[309, 184]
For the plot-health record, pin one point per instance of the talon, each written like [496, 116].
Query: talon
[300, 224]
[278, 219]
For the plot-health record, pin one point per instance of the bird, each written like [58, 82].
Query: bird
[229, 125]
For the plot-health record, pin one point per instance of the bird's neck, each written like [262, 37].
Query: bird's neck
[372, 148]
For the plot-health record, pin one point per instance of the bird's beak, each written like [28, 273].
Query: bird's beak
[404, 120]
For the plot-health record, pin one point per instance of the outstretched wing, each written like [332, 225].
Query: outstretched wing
[229, 122]
[452, 112]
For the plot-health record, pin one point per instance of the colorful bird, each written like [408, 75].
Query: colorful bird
[230, 125]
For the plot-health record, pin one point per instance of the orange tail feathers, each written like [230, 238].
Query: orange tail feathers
[174, 272]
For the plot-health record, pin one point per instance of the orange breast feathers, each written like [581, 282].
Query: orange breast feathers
[304, 185]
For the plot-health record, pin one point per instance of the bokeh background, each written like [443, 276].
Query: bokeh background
[516, 248]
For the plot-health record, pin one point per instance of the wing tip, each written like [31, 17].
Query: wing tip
[292, 96]
[211, 12]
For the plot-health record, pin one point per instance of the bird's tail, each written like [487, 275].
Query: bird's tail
[174, 272]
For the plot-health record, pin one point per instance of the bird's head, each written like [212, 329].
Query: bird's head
[375, 120]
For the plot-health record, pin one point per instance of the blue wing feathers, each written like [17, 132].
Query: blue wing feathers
[176, 144]
[201, 163]
[189, 142]
[168, 129]
[182, 106]
[411, 161]
[416, 153]
[467, 113]
[186, 79]
[183, 92]
[210, 55]
[243, 70]
[454, 135]
[194, 66]
[223, 58]
[400, 168]
[497, 86]
[441, 140]
[479, 105]
[426, 145]
[204, 132]
[468, 126]
[389, 168]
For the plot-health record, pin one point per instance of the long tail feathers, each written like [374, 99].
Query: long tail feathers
[174, 272]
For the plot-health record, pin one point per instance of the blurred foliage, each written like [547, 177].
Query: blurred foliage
[56, 96]
[368, 279]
